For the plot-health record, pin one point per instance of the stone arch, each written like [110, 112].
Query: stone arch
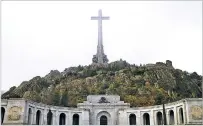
[62, 119]
[132, 119]
[159, 118]
[146, 119]
[103, 120]
[2, 114]
[49, 117]
[103, 113]
[38, 116]
[29, 116]
[171, 117]
[76, 119]
[181, 118]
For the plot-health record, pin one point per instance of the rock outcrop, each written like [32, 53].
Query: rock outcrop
[142, 85]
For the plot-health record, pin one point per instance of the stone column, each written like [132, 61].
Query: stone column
[70, 118]
[184, 113]
[26, 114]
[178, 115]
[113, 122]
[152, 117]
[128, 119]
[141, 119]
[45, 116]
[54, 117]
[167, 117]
[80, 119]
[93, 118]
[29, 116]
[67, 117]
[57, 117]
[120, 118]
[41, 117]
[175, 115]
[155, 118]
[138, 118]
[85, 117]
[34, 116]
[187, 113]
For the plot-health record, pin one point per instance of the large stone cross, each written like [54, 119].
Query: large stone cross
[100, 57]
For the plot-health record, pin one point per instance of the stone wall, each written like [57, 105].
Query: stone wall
[27, 113]
[90, 112]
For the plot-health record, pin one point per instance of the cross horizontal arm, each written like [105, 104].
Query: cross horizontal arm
[97, 18]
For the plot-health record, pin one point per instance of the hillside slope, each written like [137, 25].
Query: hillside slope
[138, 85]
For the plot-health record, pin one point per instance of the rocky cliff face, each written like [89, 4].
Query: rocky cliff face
[144, 85]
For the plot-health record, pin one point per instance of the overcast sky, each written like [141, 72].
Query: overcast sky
[41, 36]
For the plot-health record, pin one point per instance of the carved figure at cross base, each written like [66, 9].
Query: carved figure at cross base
[95, 59]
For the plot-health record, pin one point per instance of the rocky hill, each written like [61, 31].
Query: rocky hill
[141, 85]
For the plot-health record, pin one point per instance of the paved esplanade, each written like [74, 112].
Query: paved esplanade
[100, 57]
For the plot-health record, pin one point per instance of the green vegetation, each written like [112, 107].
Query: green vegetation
[138, 85]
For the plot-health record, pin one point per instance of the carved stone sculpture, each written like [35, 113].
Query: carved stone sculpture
[103, 100]
[196, 112]
[14, 113]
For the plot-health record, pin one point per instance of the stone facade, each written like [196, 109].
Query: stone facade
[105, 109]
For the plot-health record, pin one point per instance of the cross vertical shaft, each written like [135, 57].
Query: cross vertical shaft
[100, 57]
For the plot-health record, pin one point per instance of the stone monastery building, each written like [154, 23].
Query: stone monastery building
[100, 110]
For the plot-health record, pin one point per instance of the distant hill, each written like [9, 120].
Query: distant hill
[141, 85]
